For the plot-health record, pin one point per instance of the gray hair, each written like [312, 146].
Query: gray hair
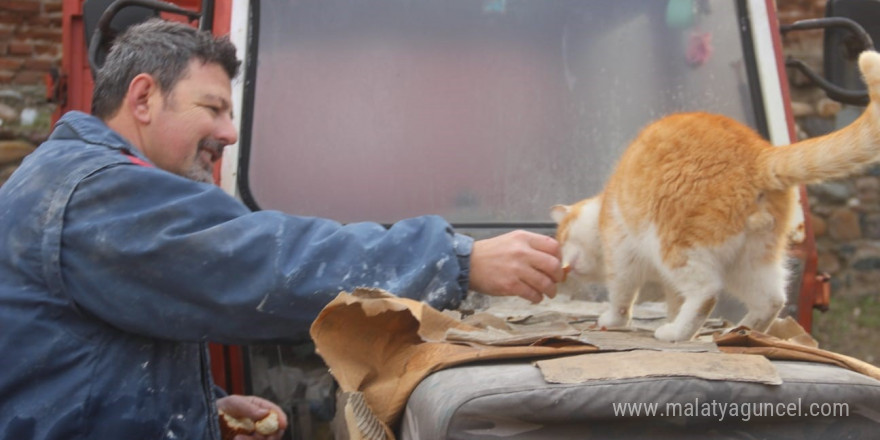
[162, 49]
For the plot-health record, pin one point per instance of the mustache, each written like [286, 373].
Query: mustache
[214, 146]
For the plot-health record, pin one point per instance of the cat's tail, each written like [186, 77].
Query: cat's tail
[836, 155]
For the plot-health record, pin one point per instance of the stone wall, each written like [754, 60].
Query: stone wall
[30, 45]
[845, 213]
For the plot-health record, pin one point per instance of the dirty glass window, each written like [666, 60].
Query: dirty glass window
[485, 112]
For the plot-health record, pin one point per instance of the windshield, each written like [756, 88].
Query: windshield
[485, 112]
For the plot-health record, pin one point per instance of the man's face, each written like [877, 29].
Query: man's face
[193, 123]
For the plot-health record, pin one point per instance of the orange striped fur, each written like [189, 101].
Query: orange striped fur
[703, 204]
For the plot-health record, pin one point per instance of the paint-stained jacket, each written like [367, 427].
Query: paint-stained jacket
[114, 274]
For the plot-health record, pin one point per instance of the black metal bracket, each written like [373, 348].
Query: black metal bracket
[835, 92]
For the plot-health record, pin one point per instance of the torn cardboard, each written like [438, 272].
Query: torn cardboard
[356, 421]
[790, 330]
[650, 363]
[641, 340]
[746, 341]
[382, 346]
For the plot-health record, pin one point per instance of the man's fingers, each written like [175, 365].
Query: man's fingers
[549, 256]
[545, 244]
[530, 294]
[540, 283]
[548, 264]
[531, 284]
[242, 406]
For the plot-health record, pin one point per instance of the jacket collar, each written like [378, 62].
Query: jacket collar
[79, 125]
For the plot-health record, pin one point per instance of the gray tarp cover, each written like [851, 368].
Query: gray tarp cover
[380, 348]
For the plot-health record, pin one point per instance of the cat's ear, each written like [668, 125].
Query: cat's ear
[558, 212]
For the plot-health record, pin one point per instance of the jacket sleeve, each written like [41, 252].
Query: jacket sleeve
[159, 255]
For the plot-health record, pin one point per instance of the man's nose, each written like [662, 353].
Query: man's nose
[226, 131]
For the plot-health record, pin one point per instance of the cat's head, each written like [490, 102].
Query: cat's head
[578, 234]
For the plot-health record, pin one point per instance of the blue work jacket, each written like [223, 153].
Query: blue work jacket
[114, 274]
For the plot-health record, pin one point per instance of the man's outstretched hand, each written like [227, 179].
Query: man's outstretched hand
[518, 263]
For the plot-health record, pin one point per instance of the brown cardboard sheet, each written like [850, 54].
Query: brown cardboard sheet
[652, 363]
[382, 346]
[641, 340]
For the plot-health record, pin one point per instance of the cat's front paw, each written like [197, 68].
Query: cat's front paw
[614, 318]
[670, 332]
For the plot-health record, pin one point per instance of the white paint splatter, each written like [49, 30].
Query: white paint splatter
[262, 303]
[435, 295]
[442, 262]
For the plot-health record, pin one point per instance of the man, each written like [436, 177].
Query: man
[118, 263]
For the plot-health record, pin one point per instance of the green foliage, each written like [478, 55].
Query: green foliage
[850, 327]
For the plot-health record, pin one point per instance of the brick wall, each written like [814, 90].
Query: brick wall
[30, 45]
[30, 40]
[845, 213]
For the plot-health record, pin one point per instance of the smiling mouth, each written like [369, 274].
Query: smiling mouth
[212, 156]
[213, 149]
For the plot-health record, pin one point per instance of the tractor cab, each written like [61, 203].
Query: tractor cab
[487, 113]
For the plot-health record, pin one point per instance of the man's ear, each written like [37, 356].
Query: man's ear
[140, 97]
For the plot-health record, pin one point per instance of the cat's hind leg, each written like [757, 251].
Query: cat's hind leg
[762, 289]
[699, 287]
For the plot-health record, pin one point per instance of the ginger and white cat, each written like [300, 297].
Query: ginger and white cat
[703, 204]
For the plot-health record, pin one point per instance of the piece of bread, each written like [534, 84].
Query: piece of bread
[267, 425]
[231, 426]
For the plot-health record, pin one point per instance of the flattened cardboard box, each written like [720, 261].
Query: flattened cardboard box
[379, 347]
